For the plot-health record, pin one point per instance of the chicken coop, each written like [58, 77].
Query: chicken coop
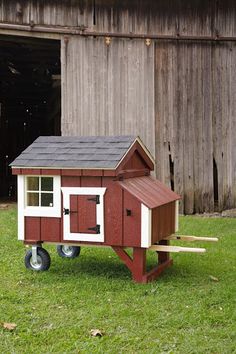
[75, 191]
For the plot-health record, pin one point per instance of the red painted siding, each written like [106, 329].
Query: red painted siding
[113, 212]
[16, 171]
[50, 229]
[86, 213]
[71, 173]
[136, 149]
[73, 213]
[32, 229]
[82, 213]
[91, 181]
[95, 173]
[53, 172]
[163, 222]
[68, 181]
[30, 171]
[132, 223]
[136, 162]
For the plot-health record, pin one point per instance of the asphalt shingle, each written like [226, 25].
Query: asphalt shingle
[75, 152]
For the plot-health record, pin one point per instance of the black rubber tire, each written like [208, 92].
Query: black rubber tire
[65, 251]
[43, 257]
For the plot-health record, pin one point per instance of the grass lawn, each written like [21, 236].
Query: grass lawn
[184, 311]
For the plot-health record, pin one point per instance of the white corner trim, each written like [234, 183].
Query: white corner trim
[70, 236]
[21, 202]
[51, 212]
[146, 226]
[176, 216]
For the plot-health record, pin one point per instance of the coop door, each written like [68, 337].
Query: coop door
[83, 214]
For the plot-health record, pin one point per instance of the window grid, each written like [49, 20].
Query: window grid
[39, 192]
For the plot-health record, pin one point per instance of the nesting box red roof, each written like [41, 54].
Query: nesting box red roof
[149, 191]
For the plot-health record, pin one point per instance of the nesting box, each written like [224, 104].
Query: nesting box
[93, 191]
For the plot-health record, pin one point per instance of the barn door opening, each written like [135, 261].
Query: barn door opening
[30, 98]
[83, 214]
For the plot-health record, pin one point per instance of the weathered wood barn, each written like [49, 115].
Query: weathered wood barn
[164, 70]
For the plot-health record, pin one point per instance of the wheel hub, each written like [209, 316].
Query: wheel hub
[37, 264]
[67, 250]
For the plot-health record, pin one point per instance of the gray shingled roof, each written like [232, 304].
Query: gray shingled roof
[75, 152]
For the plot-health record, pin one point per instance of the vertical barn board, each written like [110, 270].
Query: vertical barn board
[113, 212]
[62, 13]
[184, 122]
[156, 17]
[169, 118]
[165, 66]
[15, 11]
[195, 17]
[50, 229]
[108, 89]
[224, 122]
[224, 17]
[131, 223]
[232, 113]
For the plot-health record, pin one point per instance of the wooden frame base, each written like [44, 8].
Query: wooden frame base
[137, 264]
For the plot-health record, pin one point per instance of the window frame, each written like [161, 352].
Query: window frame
[39, 191]
[47, 211]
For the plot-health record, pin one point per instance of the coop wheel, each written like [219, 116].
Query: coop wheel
[66, 251]
[43, 260]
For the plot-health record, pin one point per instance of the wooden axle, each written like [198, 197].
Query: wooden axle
[161, 248]
[191, 238]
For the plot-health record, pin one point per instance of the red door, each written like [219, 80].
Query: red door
[83, 214]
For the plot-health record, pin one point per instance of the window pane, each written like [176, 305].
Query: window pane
[47, 183]
[32, 183]
[47, 199]
[33, 199]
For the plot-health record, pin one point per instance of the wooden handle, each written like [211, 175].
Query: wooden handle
[162, 248]
[192, 238]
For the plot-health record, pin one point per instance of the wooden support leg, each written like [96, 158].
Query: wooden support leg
[139, 264]
[163, 256]
[124, 257]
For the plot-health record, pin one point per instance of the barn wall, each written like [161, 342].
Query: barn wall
[51, 12]
[195, 122]
[178, 95]
[108, 89]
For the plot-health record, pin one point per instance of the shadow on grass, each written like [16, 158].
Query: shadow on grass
[98, 265]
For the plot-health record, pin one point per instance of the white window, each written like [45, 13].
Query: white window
[39, 191]
[42, 196]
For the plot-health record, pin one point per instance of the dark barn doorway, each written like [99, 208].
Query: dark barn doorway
[30, 98]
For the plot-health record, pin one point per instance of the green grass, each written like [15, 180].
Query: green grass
[184, 311]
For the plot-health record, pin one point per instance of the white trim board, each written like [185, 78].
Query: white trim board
[21, 203]
[146, 226]
[71, 236]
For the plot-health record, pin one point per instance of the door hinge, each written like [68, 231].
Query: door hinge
[95, 228]
[95, 199]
